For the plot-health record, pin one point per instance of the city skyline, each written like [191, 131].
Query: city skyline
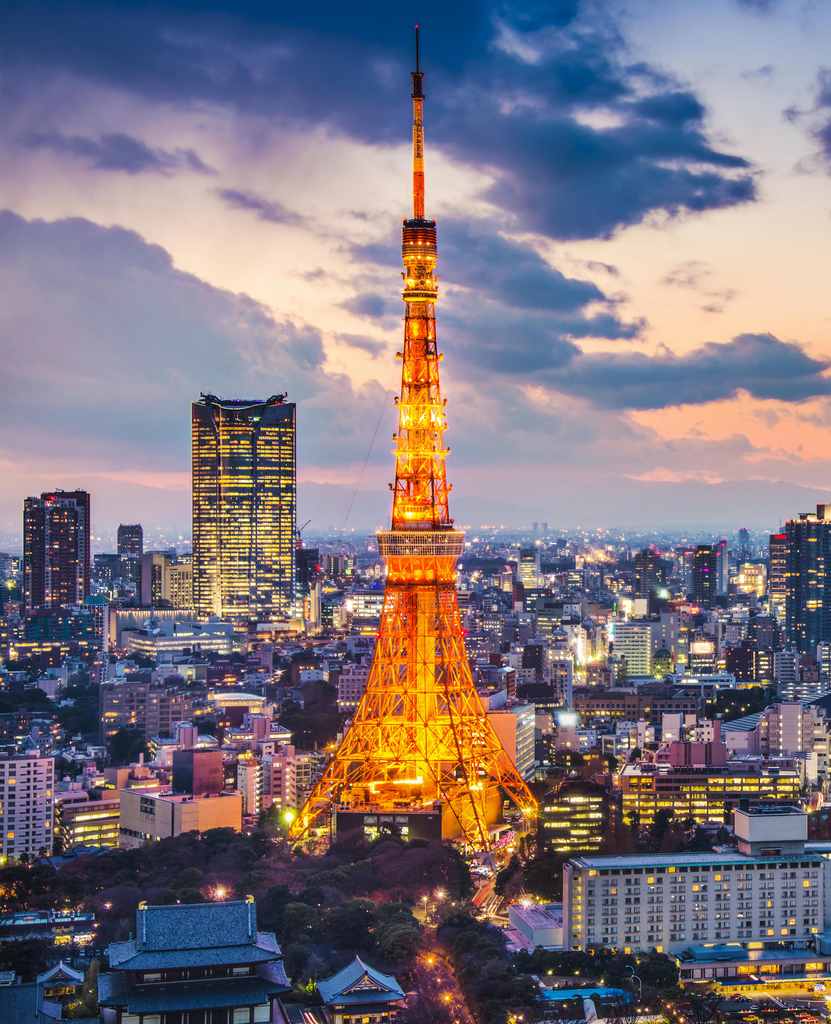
[630, 201]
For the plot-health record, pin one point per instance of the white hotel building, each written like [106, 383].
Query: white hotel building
[721, 913]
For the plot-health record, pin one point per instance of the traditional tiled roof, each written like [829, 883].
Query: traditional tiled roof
[19, 1003]
[195, 935]
[62, 971]
[113, 991]
[358, 984]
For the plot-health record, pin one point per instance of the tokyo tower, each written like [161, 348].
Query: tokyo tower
[420, 754]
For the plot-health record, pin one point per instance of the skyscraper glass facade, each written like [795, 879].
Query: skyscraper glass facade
[244, 508]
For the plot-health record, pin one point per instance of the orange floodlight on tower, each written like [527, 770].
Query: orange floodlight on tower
[420, 754]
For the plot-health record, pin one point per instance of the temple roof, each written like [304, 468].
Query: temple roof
[195, 935]
[359, 983]
[114, 990]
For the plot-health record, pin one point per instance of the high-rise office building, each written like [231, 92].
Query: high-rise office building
[648, 572]
[244, 508]
[56, 549]
[744, 552]
[778, 575]
[705, 575]
[632, 641]
[529, 567]
[722, 567]
[808, 603]
[130, 550]
[153, 566]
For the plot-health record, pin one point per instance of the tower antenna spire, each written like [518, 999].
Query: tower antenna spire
[418, 131]
[420, 747]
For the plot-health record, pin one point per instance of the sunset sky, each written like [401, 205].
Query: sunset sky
[633, 201]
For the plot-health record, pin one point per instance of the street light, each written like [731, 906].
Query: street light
[634, 977]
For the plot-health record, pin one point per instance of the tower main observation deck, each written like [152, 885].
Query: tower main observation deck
[420, 753]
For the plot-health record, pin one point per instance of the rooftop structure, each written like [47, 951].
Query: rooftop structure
[359, 993]
[238, 969]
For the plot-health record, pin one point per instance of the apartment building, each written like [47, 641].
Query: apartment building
[27, 805]
[766, 896]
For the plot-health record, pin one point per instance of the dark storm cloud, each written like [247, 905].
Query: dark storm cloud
[96, 319]
[760, 364]
[115, 151]
[268, 210]
[505, 84]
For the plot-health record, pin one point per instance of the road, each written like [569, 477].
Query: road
[439, 993]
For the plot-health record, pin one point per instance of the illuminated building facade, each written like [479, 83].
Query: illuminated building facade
[81, 819]
[701, 794]
[56, 549]
[420, 753]
[766, 896]
[705, 575]
[632, 642]
[574, 818]
[130, 550]
[778, 575]
[27, 805]
[244, 508]
[808, 602]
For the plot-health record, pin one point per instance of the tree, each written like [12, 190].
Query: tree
[399, 942]
[351, 924]
[300, 922]
[126, 746]
[26, 957]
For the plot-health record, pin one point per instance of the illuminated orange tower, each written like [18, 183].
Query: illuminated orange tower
[420, 748]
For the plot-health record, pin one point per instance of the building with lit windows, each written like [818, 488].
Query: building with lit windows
[778, 576]
[244, 508]
[27, 805]
[808, 604]
[705, 575]
[56, 549]
[528, 568]
[762, 904]
[82, 819]
[130, 550]
[632, 642]
[702, 793]
[574, 818]
[137, 702]
[148, 817]
[752, 579]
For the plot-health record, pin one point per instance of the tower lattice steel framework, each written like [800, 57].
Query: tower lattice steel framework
[420, 736]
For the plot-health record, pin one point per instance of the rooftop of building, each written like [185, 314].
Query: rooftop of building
[658, 861]
[736, 952]
[539, 915]
[239, 403]
[358, 983]
[772, 808]
[180, 798]
[195, 935]
[746, 724]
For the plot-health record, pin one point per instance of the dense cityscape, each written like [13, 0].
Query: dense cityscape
[263, 772]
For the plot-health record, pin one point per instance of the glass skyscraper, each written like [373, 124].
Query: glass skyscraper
[244, 508]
